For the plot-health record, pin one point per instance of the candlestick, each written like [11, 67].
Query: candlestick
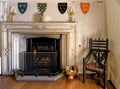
[71, 14]
[11, 14]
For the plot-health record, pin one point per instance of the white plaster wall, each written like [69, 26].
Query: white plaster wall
[89, 25]
[113, 28]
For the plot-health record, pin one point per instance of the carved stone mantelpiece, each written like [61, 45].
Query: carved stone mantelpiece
[14, 37]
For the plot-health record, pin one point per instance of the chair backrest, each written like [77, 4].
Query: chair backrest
[99, 49]
[101, 44]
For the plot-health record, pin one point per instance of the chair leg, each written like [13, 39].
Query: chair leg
[98, 78]
[84, 74]
[105, 76]
[105, 79]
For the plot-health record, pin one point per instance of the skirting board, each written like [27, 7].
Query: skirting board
[38, 78]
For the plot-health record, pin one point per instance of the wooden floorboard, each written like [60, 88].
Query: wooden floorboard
[8, 82]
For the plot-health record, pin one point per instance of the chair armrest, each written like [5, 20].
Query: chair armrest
[86, 58]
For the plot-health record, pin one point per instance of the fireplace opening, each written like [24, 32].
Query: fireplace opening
[42, 56]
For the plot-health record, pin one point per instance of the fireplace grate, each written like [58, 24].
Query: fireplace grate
[40, 60]
[40, 63]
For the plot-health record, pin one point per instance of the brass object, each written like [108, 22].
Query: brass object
[12, 12]
[71, 15]
[71, 71]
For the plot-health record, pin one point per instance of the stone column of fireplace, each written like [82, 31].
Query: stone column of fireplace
[14, 37]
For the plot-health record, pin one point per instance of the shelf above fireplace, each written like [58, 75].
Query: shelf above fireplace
[45, 27]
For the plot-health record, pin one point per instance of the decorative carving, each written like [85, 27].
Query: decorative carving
[35, 27]
[6, 51]
[44, 26]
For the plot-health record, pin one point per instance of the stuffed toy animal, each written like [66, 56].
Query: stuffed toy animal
[71, 71]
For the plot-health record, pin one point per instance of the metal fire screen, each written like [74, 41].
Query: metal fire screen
[40, 62]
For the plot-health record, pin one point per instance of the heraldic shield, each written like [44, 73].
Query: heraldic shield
[22, 7]
[62, 7]
[41, 7]
[85, 6]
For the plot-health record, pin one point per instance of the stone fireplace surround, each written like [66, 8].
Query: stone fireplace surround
[14, 37]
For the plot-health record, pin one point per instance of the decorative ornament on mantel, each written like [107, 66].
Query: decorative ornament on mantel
[71, 14]
[12, 12]
[41, 8]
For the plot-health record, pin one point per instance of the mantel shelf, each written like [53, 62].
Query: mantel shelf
[47, 27]
[49, 22]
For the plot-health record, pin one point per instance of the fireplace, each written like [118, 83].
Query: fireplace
[42, 56]
[36, 45]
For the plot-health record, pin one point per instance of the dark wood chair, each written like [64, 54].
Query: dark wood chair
[98, 48]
